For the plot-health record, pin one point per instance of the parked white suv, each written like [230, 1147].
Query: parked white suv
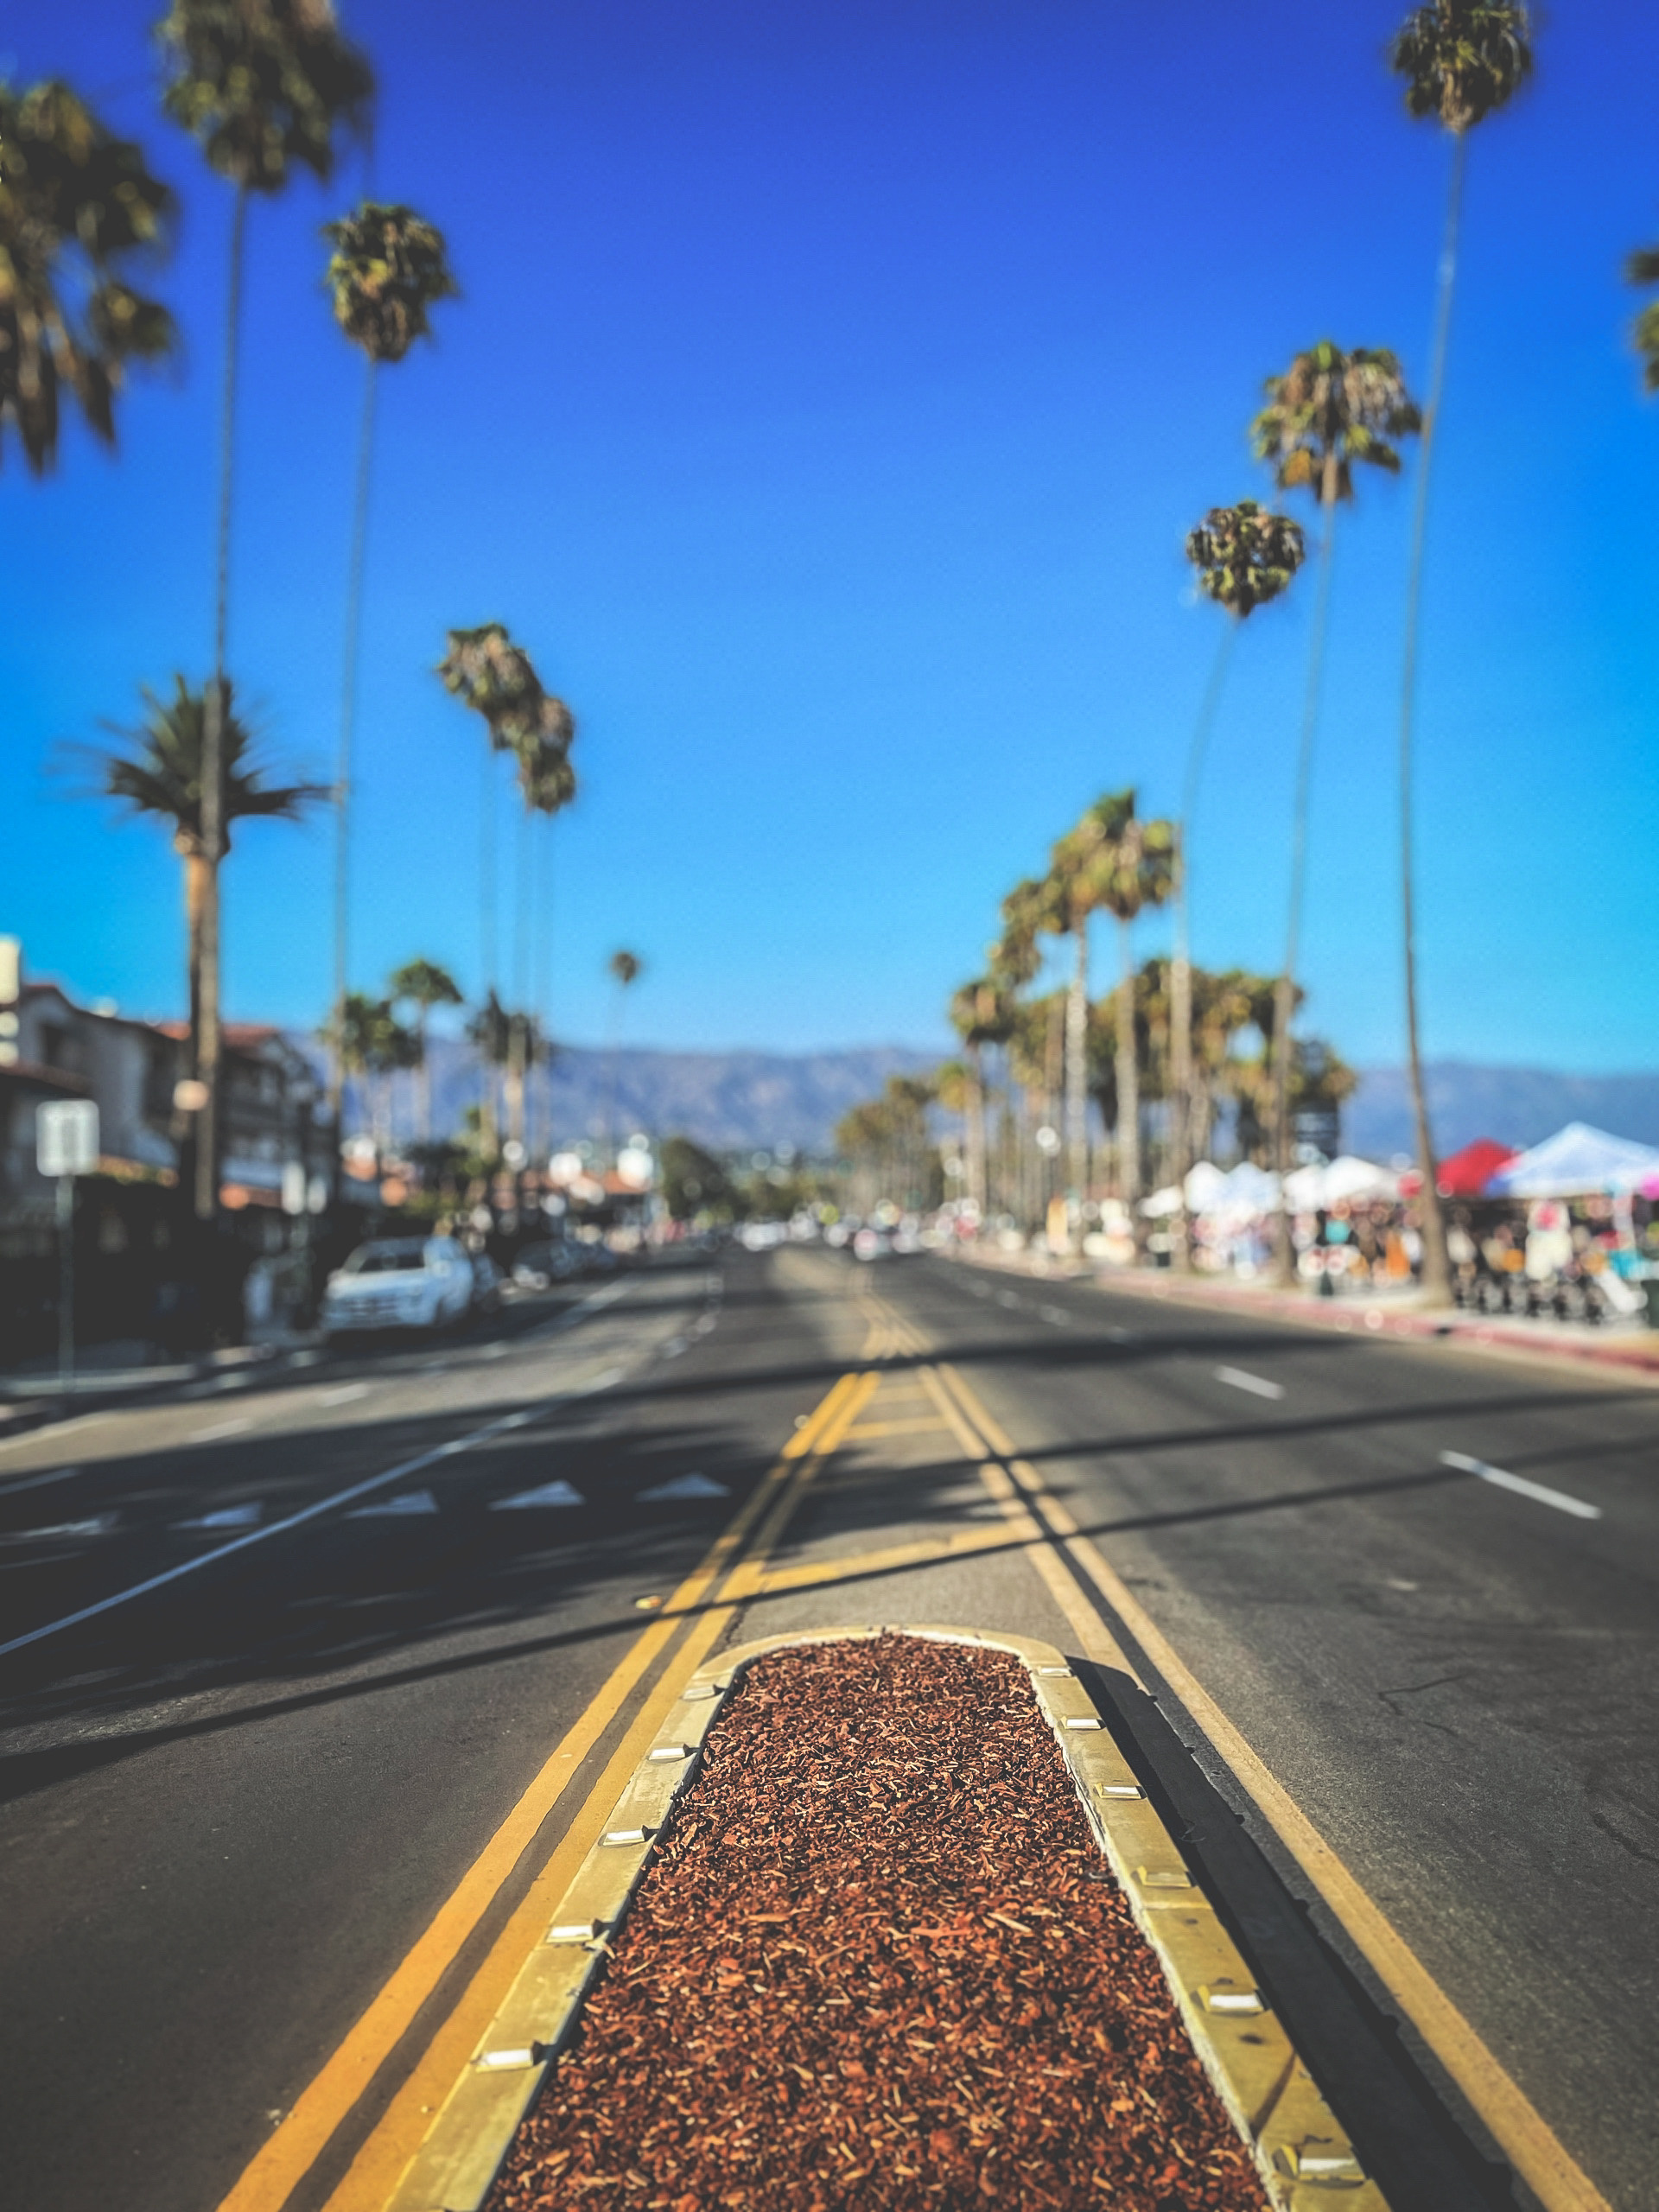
[399, 1282]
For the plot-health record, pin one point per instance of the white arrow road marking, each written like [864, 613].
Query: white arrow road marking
[396, 1508]
[220, 1428]
[547, 1494]
[345, 1395]
[228, 1517]
[1501, 1477]
[682, 1486]
[1258, 1383]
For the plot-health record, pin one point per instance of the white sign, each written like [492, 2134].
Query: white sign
[294, 1186]
[65, 1137]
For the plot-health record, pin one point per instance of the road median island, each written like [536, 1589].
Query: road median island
[885, 1920]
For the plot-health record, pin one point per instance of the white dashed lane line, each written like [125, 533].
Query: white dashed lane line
[1257, 1385]
[346, 1394]
[220, 1428]
[1056, 1315]
[1501, 1478]
[38, 1482]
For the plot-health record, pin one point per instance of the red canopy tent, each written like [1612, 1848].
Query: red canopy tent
[1466, 1175]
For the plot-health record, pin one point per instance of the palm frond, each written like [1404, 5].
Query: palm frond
[264, 85]
[1462, 60]
[1245, 555]
[387, 269]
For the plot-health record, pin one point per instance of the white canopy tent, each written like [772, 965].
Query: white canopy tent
[1316, 1189]
[1576, 1162]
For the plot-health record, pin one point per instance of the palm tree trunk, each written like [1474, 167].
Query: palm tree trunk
[1077, 1069]
[1128, 1077]
[977, 1187]
[1284, 997]
[1180, 976]
[425, 1091]
[1437, 1273]
[207, 1042]
[347, 721]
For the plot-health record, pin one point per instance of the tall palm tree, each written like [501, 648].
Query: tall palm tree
[262, 85]
[1131, 866]
[77, 207]
[388, 268]
[365, 1037]
[1643, 268]
[1245, 556]
[1330, 412]
[422, 984]
[490, 1033]
[1462, 60]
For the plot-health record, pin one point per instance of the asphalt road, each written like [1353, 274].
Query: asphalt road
[232, 1804]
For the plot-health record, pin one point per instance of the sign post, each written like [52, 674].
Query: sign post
[66, 1145]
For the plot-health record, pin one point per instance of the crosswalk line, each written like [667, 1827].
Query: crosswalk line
[228, 1517]
[396, 1508]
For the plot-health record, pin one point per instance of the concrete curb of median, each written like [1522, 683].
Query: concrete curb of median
[1303, 2155]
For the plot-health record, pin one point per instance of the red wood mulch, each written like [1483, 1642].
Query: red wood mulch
[880, 1962]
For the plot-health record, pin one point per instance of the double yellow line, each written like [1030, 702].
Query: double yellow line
[701, 1607]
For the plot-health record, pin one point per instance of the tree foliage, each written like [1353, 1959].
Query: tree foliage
[1245, 555]
[1330, 409]
[159, 770]
[1462, 60]
[78, 205]
[263, 85]
[388, 268]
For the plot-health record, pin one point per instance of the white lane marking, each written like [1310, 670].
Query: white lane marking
[308, 1512]
[1054, 1314]
[396, 1509]
[702, 1327]
[38, 1482]
[220, 1428]
[1008, 1298]
[497, 1351]
[594, 1303]
[1258, 1383]
[673, 1348]
[344, 1395]
[1122, 1336]
[228, 1517]
[1501, 1477]
[100, 1525]
[312, 1356]
[554, 1493]
[681, 1486]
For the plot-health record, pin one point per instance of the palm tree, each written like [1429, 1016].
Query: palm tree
[624, 969]
[387, 269]
[77, 205]
[1329, 412]
[1131, 866]
[159, 772]
[979, 1013]
[1643, 268]
[261, 85]
[365, 1037]
[1462, 60]
[1245, 556]
[422, 984]
[486, 671]
[490, 1033]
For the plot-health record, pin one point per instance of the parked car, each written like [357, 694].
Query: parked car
[401, 1282]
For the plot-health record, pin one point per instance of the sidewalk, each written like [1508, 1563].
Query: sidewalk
[1627, 1344]
[110, 1374]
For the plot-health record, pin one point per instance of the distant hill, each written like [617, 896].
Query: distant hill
[1518, 1106]
[728, 1101]
[738, 1101]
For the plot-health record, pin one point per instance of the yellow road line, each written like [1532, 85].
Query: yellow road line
[275, 2170]
[1525, 2137]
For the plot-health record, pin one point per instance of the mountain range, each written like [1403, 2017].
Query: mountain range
[737, 1101]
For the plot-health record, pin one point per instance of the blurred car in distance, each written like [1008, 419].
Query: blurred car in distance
[401, 1282]
[872, 1243]
[487, 1280]
[539, 1266]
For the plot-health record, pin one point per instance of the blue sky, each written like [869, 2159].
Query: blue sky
[831, 392]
